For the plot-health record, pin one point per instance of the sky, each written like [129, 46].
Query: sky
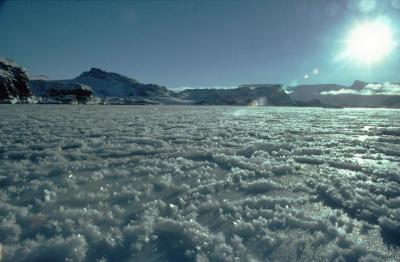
[197, 43]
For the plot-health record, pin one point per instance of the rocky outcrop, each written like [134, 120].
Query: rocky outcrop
[358, 85]
[13, 83]
[253, 95]
[60, 91]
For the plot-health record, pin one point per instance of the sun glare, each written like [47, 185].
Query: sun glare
[369, 42]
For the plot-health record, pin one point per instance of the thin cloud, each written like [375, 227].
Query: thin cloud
[369, 90]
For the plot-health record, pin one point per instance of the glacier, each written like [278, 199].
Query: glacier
[205, 183]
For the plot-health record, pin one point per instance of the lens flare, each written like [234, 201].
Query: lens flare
[368, 42]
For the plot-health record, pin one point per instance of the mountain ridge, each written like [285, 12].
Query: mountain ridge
[113, 88]
[359, 94]
[97, 86]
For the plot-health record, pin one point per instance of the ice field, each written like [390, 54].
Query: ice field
[183, 183]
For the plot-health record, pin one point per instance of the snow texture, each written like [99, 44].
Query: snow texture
[182, 183]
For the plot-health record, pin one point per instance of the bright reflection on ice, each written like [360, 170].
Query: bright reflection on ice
[362, 137]
[367, 128]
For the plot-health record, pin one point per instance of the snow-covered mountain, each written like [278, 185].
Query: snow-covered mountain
[13, 83]
[99, 86]
[107, 84]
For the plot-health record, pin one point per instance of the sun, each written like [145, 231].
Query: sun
[369, 42]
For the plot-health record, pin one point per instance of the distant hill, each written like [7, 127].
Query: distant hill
[307, 93]
[256, 95]
[359, 94]
[106, 84]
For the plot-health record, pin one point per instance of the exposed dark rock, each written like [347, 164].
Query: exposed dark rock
[60, 91]
[13, 83]
[358, 85]
[80, 92]
[101, 74]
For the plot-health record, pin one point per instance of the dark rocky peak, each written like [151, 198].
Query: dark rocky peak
[100, 74]
[96, 73]
[358, 85]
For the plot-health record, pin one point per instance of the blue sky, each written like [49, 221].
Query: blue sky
[194, 43]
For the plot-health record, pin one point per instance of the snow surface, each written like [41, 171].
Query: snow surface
[182, 183]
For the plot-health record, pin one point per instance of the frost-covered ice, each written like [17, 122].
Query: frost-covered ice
[158, 183]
